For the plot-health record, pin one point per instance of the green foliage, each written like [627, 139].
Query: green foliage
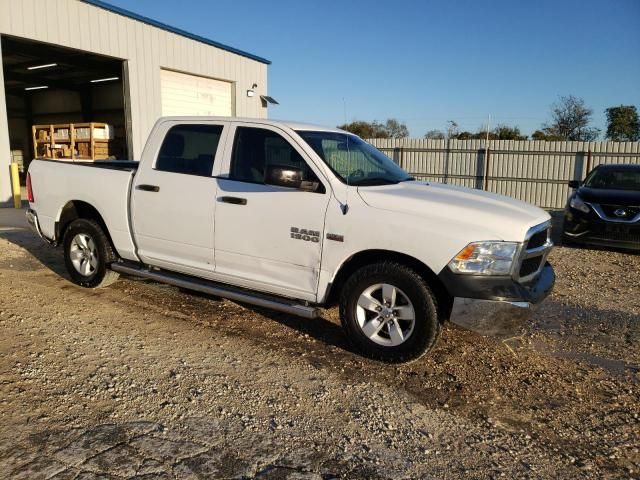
[501, 132]
[465, 135]
[623, 124]
[545, 134]
[392, 128]
[505, 132]
[365, 129]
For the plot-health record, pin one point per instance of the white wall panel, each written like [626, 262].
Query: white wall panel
[186, 95]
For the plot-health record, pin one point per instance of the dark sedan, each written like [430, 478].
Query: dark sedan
[605, 208]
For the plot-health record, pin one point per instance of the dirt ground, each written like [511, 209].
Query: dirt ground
[140, 380]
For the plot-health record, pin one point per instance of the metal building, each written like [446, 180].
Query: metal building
[68, 61]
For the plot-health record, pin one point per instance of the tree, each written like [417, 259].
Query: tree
[452, 129]
[505, 132]
[623, 124]
[464, 135]
[395, 129]
[571, 118]
[545, 134]
[392, 128]
[365, 129]
[434, 135]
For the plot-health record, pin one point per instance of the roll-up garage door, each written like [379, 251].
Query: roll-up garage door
[184, 94]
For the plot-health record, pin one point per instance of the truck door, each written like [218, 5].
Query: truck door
[269, 237]
[173, 198]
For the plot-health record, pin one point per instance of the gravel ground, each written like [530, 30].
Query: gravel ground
[140, 380]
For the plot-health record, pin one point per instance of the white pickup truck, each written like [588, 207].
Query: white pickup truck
[293, 217]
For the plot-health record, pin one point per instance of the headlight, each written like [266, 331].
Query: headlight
[577, 203]
[485, 258]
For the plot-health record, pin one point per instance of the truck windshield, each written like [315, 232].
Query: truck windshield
[353, 160]
[614, 179]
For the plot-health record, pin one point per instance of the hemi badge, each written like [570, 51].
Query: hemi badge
[333, 236]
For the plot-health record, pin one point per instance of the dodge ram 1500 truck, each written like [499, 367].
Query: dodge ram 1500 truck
[293, 217]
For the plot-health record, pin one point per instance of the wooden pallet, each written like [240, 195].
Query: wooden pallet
[74, 141]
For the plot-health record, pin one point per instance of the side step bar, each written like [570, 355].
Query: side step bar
[224, 291]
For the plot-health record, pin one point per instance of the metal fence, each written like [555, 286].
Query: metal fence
[534, 171]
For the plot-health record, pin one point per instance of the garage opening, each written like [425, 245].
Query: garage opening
[63, 91]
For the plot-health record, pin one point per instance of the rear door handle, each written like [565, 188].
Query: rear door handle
[148, 188]
[233, 200]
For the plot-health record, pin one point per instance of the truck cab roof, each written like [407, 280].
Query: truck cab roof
[263, 121]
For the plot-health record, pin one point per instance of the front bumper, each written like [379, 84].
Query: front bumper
[589, 229]
[500, 288]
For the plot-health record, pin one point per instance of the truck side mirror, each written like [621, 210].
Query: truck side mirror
[283, 176]
[574, 183]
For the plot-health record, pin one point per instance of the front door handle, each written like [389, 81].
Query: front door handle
[148, 188]
[233, 200]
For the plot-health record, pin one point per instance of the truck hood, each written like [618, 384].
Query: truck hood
[498, 217]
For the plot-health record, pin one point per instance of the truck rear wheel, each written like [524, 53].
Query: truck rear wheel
[88, 253]
[389, 312]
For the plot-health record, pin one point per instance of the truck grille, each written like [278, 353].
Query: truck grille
[534, 252]
[530, 266]
[538, 239]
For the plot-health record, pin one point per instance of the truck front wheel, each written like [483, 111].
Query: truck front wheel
[88, 253]
[389, 312]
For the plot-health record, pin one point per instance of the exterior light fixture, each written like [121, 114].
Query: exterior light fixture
[251, 92]
[109, 79]
[38, 67]
[42, 87]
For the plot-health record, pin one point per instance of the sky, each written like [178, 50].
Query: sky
[427, 62]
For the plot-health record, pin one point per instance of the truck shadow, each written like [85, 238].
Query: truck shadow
[52, 258]
[49, 256]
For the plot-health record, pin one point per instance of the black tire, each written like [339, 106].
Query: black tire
[426, 329]
[567, 241]
[100, 275]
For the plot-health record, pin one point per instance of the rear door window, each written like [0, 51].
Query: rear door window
[189, 149]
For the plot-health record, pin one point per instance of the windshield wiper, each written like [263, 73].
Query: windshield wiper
[371, 181]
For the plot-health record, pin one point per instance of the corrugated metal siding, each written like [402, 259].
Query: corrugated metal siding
[534, 171]
[147, 49]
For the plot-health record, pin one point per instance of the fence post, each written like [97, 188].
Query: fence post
[588, 161]
[487, 157]
[478, 179]
[446, 162]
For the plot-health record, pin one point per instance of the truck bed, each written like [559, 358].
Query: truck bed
[104, 185]
[129, 165]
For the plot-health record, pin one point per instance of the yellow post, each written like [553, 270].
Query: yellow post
[15, 186]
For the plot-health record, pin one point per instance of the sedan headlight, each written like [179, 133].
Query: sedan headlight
[485, 258]
[577, 203]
